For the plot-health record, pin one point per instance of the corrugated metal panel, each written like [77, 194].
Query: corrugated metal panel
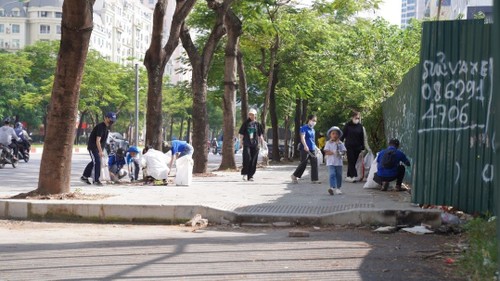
[454, 120]
[496, 106]
[400, 114]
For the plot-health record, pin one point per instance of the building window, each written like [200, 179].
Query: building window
[15, 12]
[2, 28]
[58, 29]
[43, 14]
[1, 43]
[2, 12]
[58, 15]
[16, 28]
[44, 29]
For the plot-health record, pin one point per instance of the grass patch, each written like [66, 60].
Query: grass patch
[481, 258]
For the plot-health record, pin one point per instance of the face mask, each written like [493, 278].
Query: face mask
[312, 123]
[355, 121]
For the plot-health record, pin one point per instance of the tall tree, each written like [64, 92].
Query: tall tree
[200, 63]
[155, 61]
[233, 27]
[55, 168]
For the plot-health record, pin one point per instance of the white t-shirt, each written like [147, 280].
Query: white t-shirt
[338, 149]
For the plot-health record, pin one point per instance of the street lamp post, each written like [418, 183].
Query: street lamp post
[137, 104]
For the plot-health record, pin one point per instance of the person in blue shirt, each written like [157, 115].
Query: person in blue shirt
[133, 163]
[389, 166]
[116, 162]
[307, 149]
[179, 149]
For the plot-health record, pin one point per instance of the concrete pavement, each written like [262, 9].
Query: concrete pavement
[223, 198]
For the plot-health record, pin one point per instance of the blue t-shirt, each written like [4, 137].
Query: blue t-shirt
[178, 146]
[308, 133]
[392, 172]
[115, 160]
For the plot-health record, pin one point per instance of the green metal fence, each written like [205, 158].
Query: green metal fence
[400, 114]
[496, 105]
[454, 120]
[443, 113]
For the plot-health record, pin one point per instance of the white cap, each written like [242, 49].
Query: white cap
[252, 111]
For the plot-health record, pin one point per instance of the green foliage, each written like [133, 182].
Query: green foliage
[480, 260]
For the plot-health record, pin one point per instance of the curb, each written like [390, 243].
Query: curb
[168, 214]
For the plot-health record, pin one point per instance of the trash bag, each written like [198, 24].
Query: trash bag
[360, 168]
[264, 151]
[367, 161]
[184, 172]
[370, 183]
[104, 170]
[156, 163]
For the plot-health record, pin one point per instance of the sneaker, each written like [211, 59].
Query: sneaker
[85, 180]
[250, 179]
[98, 183]
[349, 179]
[315, 182]
[330, 190]
[244, 177]
[338, 191]
[294, 179]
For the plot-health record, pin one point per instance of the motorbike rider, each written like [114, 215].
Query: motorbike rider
[23, 135]
[7, 134]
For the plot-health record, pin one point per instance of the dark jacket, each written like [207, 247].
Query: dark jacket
[100, 130]
[253, 129]
[354, 137]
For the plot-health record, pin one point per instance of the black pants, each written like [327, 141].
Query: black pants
[304, 158]
[352, 158]
[250, 157]
[399, 177]
[14, 148]
[94, 164]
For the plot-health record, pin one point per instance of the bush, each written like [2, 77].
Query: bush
[373, 121]
[481, 258]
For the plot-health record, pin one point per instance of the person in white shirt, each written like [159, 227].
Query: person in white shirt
[7, 133]
[334, 151]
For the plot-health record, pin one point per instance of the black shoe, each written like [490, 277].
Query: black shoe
[98, 183]
[330, 190]
[385, 186]
[85, 180]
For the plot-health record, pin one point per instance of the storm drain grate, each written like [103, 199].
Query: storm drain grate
[300, 210]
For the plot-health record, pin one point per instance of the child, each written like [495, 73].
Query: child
[334, 150]
[133, 163]
[116, 162]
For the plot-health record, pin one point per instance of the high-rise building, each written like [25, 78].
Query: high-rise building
[449, 10]
[121, 33]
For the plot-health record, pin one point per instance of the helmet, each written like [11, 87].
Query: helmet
[19, 125]
[6, 120]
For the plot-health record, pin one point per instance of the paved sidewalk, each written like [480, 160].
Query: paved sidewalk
[272, 197]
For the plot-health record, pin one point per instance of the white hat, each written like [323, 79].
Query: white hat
[252, 111]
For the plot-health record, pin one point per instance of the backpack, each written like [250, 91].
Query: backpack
[389, 159]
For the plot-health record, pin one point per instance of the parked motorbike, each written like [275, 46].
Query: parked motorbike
[6, 157]
[23, 152]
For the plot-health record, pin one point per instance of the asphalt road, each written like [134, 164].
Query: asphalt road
[24, 178]
[58, 251]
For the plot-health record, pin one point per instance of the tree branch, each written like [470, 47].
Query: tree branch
[262, 64]
[187, 43]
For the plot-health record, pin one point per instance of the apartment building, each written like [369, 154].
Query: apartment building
[449, 10]
[122, 28]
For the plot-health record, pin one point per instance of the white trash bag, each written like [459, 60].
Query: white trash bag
[184, 172]
[370, 183]
[156, 163]
[264, 151]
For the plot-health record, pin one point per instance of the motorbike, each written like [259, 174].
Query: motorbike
[6, 157]
[23, 151]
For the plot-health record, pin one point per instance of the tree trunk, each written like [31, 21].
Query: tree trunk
[171, 131]
[155, 61]
[287, 138]
[188, 131]
[79, 130]
[242, 84]
[234, 30]
[274, 115]
[304, 111]
[55, 168]
[298, 122]
[272, 62]
[200, 64]
[182, 128]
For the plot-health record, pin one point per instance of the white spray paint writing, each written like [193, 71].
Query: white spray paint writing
[452, 91]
